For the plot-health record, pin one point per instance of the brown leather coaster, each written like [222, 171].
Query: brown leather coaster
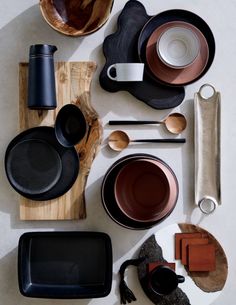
[179, 237]
[190, 241]
[201, 257]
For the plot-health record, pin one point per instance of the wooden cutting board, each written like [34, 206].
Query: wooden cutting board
[73, 81]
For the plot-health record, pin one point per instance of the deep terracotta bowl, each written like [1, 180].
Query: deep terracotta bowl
[143, 190]
[76, 17]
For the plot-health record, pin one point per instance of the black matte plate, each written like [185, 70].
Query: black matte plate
[65, 265]
[108, 196]
[122, 47]
[176, 15]
[33, 166]
[68, 156]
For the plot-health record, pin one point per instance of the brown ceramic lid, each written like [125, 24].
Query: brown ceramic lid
[143, 190]
[171, 75]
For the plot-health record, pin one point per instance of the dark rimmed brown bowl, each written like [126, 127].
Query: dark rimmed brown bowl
[108, 195]
[142, 189]
[76, 17]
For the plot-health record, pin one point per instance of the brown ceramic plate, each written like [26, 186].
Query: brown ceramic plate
[145, 190]
[76, 17]
[176, 76]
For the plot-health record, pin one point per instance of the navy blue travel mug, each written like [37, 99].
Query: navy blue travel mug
[41, 77]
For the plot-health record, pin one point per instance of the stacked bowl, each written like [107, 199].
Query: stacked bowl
[138, 191]
[177, 47]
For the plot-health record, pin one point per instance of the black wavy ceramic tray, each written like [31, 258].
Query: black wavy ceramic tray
[122, 47]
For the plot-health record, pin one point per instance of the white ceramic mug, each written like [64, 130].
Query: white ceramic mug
[127, 72]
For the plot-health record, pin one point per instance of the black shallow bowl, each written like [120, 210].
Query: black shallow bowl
[70, 125]
[176, 15]
[108, 195]
[65, 265]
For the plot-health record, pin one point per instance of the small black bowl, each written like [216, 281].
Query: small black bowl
[70, 125]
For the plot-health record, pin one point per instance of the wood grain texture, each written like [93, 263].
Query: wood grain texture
[76, 17]
[73, 80]
[214, 280]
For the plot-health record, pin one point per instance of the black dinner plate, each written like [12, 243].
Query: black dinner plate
[33, 166]
[68, 158]
[65, 265]
[176, 15]
[108, 196]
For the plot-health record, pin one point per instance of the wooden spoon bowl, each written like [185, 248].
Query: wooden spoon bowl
[76, 17]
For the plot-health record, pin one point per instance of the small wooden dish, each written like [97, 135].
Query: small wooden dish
[76, 17]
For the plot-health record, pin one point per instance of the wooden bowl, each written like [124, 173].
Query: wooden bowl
[76, 17]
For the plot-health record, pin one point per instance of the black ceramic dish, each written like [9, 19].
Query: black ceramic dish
[154, 253]
[65, 265]
[68, 157]
[108, 196]
[121, 47]
[70, 125]
[176, 15]
[33, 166]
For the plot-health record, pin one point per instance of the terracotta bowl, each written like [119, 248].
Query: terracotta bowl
[168, 74]
[76, 17]
[108, 194]
[143, 190]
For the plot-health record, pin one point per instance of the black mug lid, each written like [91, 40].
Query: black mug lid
[42, 49]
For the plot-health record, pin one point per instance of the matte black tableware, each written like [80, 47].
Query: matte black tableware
[65, 265]
[33, 166]
[176, 15]
[33, 138]
[130, 22]
[41, 77]
[163, 280]
[70, 125]
[108, 195]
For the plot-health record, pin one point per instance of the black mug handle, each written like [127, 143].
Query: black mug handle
[180, 278]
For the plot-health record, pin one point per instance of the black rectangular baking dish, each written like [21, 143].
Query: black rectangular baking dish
[65, 265]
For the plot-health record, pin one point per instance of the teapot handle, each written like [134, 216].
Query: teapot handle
[181, 279]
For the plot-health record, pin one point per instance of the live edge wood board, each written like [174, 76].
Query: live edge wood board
[73, 81]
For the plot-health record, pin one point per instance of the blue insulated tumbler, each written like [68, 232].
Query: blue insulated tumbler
[41, 77]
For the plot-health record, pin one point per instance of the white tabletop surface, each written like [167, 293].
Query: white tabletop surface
[22, 25]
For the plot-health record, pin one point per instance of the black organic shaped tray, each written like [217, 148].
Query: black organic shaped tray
[122, 47]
